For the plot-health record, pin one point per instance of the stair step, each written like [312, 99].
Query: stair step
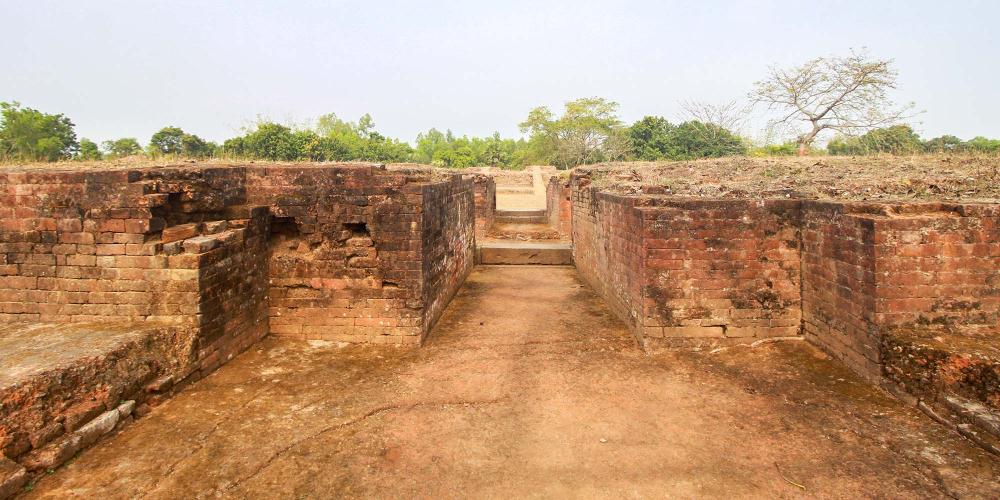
[525, 253]
[526, 212]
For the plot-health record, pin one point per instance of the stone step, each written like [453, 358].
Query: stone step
[524, 253]
[530, 216]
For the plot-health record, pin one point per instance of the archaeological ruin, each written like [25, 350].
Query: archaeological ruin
[129, 295]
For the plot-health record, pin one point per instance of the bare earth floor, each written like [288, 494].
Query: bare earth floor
[529, 386]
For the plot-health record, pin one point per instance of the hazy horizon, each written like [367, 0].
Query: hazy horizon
[124, 69]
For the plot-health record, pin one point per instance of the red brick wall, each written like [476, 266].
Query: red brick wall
[874, 268]
[720, 268]
[838, 283]
[938, 265]
[485, 189]
[678, 269]
[448, 244]
[559, 205]
[607, 246]
[346, 250]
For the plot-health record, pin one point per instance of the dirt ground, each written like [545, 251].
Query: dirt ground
[529, 387]
[535, 199]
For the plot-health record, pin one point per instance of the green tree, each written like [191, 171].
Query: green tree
[167, 141]
[983, 145]
[88, 150]
[126, 146]
[898, 139]
[588, 131]
[694, 139]
[270, 141]
[651, 138]
[174, 141]
[944, 144]
[29, 135]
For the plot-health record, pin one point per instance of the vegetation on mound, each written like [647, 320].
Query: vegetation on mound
[924, 177]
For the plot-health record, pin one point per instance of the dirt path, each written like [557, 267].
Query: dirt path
[528, 387]
[521, 200]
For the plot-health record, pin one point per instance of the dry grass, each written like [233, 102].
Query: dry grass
[922, 177]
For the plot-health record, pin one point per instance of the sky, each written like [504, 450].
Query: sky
[129, 68]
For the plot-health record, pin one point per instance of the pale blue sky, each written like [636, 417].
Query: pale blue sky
[127, 68]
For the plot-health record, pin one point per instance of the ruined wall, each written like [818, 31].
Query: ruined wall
[448, 244]
[682, 269]
[485, 190]
[838, 289]
[347, 244]
[559, 205]
[607, 247]
[907, 293]
[720, 268]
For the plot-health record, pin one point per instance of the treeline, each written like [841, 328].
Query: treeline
[902, 140]
[586, 131]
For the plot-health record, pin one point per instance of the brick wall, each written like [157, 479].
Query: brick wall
[720, 268]
[559, 205]
[938, 265]
[340, 247]
[679, 269]
[485, 190]
[346, 248]
[607, 246]
[448, 244]
[858, 279]
[838, 289]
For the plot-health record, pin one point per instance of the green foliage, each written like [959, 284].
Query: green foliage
[944, 144]
[788, 148]
[588, 131]
[983, 145]
[270, 141]
[332, 139]
[29, 135]
[651, 138]
[694, 139]
[654, 138]
[445, 150]
[174, 141]
[898, 139]
[88, 150]
[126, 146]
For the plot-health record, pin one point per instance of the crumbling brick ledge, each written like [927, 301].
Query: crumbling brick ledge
[192, 264]
[907, 294]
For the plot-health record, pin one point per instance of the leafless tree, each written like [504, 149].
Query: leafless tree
[848, 95]
[731, 115]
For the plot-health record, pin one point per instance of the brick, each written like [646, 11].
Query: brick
[180, 232]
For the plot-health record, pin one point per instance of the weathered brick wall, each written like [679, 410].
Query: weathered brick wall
[838, 283]
[485, 190]
[559, 205]
[448, 244]
[679, 269]
[346, 260]
[871, 269]
[720, 268]
[607, 246]
[938, 265]
[343, 248]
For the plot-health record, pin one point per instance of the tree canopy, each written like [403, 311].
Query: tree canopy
[589, 131]
[27, 134]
